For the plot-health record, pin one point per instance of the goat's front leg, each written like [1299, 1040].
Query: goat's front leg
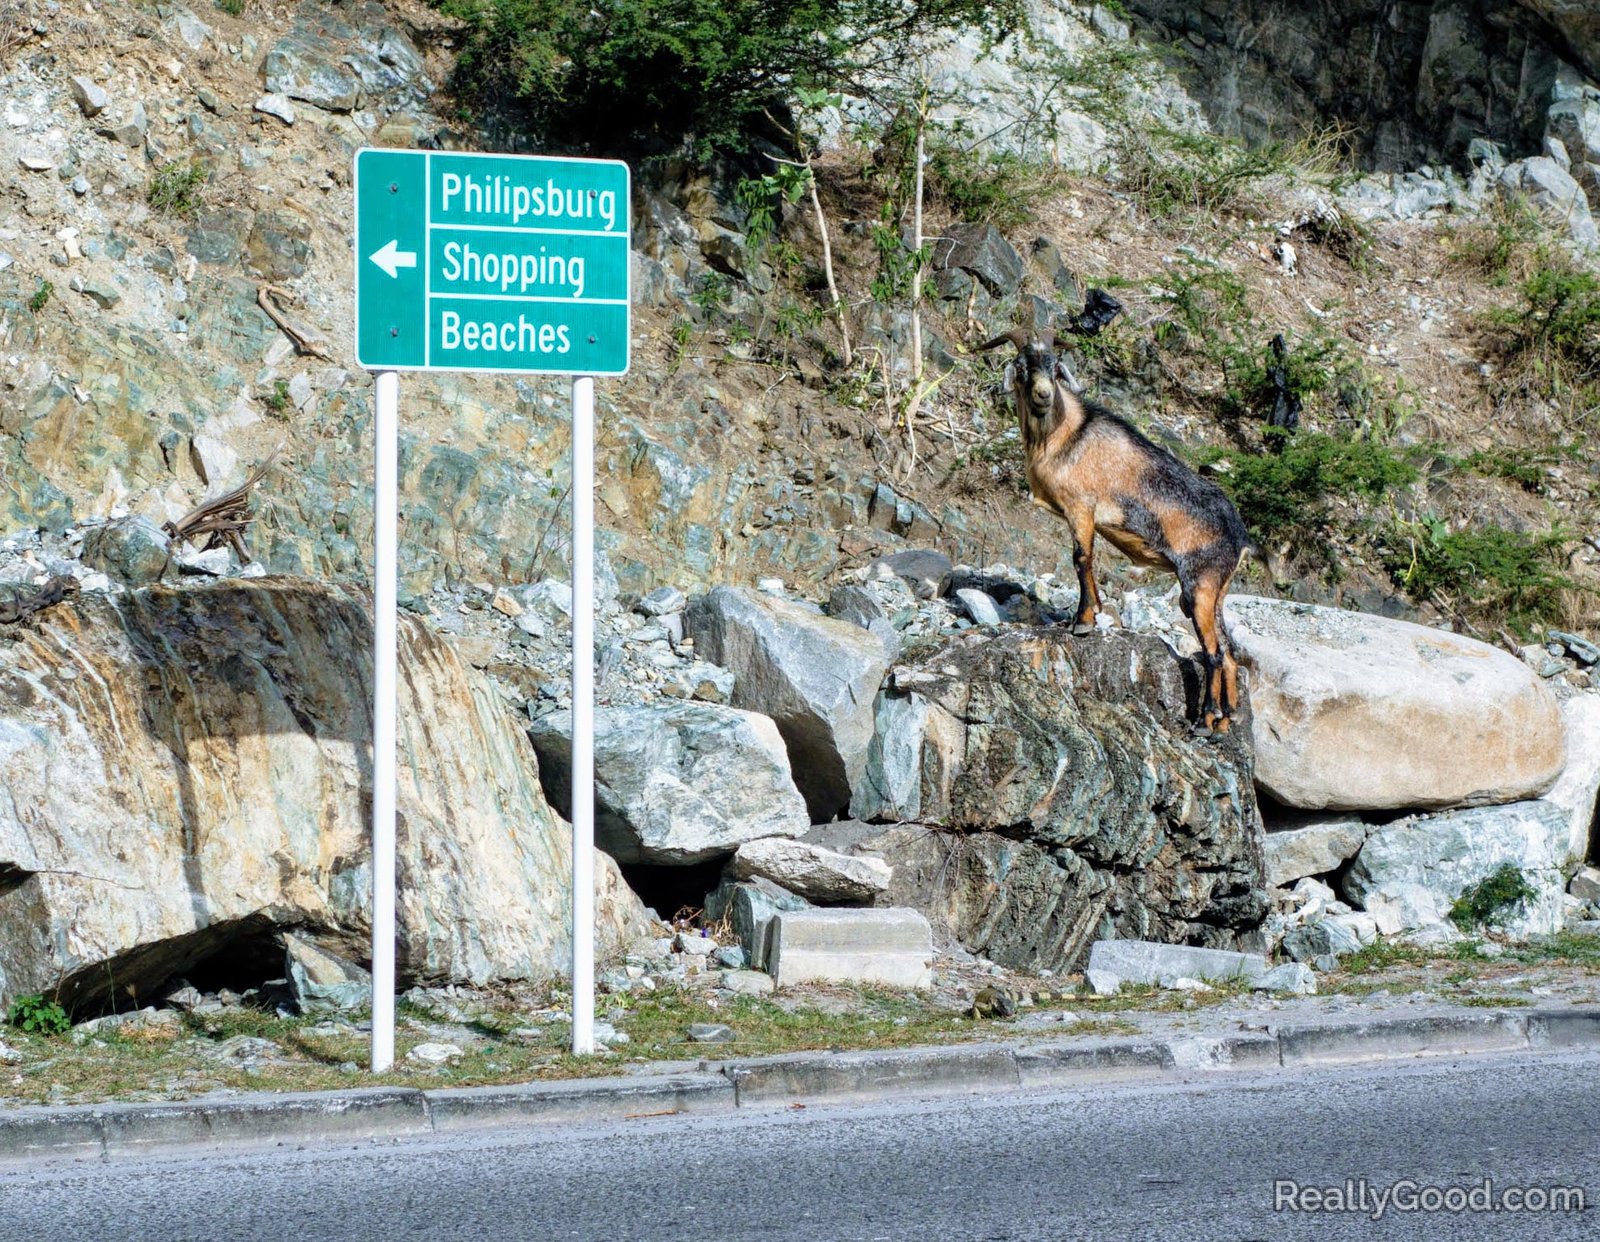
[1082, 519]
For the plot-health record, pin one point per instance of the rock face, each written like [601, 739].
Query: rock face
[1357, 712]
[188, 774]
[1059, 797]
[812, 871]
[676, 782]
[814, 676]
[1410, 872]
[1416, 81]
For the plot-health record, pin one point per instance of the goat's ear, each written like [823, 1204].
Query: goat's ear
[1011, 375]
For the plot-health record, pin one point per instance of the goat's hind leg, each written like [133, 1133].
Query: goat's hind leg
[1221, 695]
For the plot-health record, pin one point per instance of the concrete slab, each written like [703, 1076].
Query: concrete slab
[893, 947]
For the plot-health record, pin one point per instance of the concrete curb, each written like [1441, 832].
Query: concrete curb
[103, 1130]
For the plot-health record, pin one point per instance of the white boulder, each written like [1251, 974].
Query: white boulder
[1358, 712]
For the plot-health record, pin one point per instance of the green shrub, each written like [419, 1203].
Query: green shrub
[985, 186]
[175, 187]
[1287, 492]
[34, 1014]
[1500, 247]
[233, 8]
[1512, 575]
[647, 72]
[1309, 368]
[1555, 333]
[1504, 891]
[1172, 173]
[41, 296]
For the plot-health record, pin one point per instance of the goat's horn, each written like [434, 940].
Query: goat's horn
[1017, 336]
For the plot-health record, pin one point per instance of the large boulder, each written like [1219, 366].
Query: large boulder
[816, 677]
[187, 775]
[1058, 796]
[1577, 792]
[1410, 872]
[1358, 712]
[676, 782]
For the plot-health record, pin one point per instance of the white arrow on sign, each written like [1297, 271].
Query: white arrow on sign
[391, 258]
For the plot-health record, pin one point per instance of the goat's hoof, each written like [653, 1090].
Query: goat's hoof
[1083, 627]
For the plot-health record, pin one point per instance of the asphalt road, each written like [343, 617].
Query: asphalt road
[1183, 1161]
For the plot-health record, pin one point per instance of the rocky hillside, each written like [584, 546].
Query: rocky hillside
[1376, 323]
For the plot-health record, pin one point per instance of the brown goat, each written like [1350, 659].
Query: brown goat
[1094, 469]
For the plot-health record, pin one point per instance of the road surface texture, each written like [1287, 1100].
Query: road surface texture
[1188, 1160]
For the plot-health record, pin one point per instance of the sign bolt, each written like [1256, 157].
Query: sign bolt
[394, 187]
[396, 332]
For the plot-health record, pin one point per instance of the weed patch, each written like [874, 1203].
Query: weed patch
[1499, 894]
[175, 187]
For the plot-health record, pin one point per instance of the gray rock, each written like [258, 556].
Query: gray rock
[856, 605]
[812, 871]
[978, 606]
[711, 1033]
[1312, 848]
[191, 29]
[676, 782]
[323, 981]
[1554, 190]
[293, 70]
[1325, 938]
[132, 550]
[91, 99]
[1295, 978]
[102, 293]
[432, 1053]
[1148, 962]
[1081, 799]
[661, 601]
[279, 245]
[747, 982]
[551, 598]
[707, 683]
[277, 106]
[749, 906]
[1412, 870]
[927, 573]
[982, 250]
[1585, 884]
[732, 956]
[695, 944]
[814, 676]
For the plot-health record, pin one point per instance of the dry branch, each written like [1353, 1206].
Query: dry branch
[224, 519]
[306, 340]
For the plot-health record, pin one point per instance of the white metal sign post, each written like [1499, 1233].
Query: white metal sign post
[468, 262]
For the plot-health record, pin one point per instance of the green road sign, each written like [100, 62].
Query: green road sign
[491, 263]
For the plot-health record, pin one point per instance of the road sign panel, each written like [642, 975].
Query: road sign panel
[468, 262]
